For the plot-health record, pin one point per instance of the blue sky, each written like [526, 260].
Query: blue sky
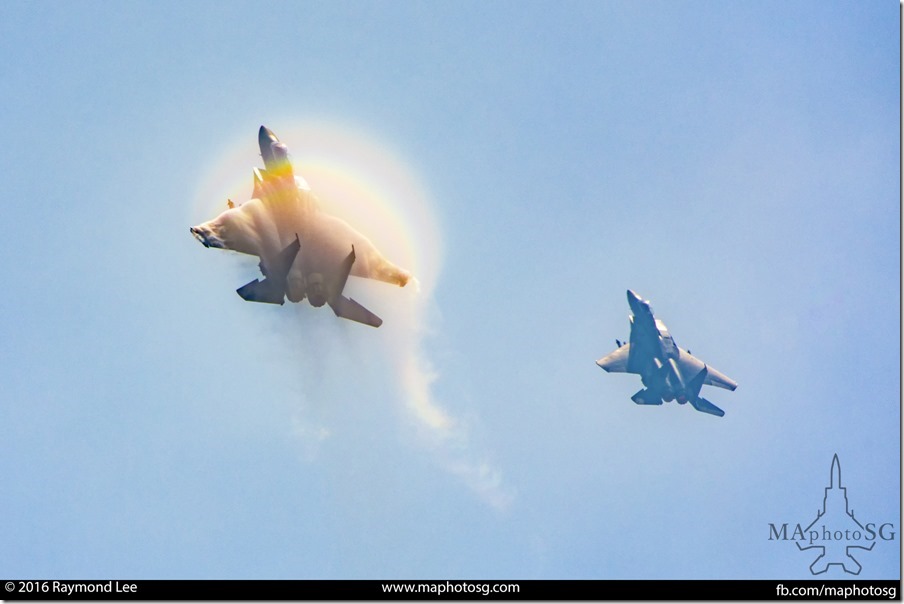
[737, 164]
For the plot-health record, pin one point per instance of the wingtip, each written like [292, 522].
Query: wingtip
[603, 365]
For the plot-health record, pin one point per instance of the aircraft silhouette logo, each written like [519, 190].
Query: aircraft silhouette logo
[836, 527]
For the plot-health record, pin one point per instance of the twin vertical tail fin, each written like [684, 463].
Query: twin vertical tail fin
[696, 383]
[649, 397]
[698, 402]
[272, 290]
[347, 308]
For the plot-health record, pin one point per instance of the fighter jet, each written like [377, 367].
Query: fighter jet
[304, 251]
[667, 371]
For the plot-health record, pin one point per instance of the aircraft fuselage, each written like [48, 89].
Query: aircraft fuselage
[667, 371]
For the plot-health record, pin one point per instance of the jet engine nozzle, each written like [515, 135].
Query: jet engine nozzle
[315, 291]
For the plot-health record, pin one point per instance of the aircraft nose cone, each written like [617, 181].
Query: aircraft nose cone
[633, 297]
[265, 140]
[267, 133]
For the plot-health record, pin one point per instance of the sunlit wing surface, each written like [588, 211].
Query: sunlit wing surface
[668, 372]
[691, 365]
[616, 362]
[715, 378]
[281, 212]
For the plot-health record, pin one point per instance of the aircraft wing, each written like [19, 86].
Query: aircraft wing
[691, 365]
[616, 362]
[715, 378]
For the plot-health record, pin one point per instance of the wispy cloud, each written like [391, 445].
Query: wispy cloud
[448, 438]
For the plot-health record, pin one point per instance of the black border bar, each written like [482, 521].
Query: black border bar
[302, 590]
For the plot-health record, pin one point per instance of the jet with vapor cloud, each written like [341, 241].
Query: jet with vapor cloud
[667, 371]
[304, 251]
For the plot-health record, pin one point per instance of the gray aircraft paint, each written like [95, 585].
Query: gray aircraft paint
[668, 372]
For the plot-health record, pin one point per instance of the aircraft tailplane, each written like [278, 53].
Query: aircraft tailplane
[349, 309]
[272, 289]
[645, 397]
[701, 404]
[268, 291]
